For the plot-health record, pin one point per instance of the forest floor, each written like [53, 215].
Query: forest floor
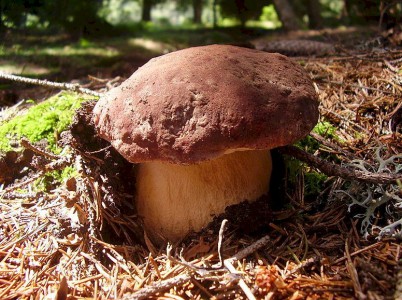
[331, 238]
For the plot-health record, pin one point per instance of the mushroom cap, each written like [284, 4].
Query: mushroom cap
[199, 103]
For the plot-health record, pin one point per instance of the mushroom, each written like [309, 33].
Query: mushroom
[200, 123]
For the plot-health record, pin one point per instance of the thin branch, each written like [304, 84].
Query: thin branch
[331, 169]
[346, 120]
[358, 86]
[228, 263]
[64, 86]
[202, 271]
[52, 166]
[220, 241]
[308, 262]
[250, 249]
[398, 285]
[331, 145]
[242, 254]
[158, 287]
[28, 145]
[27, 196]
[353, 272]
[243, 285]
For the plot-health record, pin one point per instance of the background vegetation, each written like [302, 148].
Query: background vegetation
[106, 17]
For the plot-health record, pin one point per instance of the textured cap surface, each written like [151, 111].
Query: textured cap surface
[196, 104]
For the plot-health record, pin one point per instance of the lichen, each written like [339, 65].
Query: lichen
[370, 198]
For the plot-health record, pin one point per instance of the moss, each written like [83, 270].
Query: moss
[314, 182]
[42, 121]
[323, 128]
[47, 182]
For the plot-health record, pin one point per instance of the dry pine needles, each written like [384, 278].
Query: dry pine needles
[53, 245]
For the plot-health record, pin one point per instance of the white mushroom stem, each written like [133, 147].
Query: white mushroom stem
[174, 200]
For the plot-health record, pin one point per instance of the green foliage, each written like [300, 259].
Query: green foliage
[76, 17]
[242, 10]
[46, 182]
[313, 180]
[270, 15]
[85, 43]
[331, 8]
[101, 18]
[323, 128]
[42, 121]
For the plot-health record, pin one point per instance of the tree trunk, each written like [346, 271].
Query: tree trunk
[2, 10]
[197, 11]
[241, 11]
[314, 14]
[146, 10]
[286, 15]
[215, 13]
[2, 27]
[347, 7]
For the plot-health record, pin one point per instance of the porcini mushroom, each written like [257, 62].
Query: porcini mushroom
[200, 123]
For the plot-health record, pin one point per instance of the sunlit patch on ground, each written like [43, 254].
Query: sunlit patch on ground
[26, 69]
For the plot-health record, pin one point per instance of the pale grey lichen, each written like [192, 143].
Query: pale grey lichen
[372, 197]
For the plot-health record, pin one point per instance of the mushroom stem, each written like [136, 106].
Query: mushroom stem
[174, 199]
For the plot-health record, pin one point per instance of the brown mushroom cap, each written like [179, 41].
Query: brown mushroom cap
[199, 103]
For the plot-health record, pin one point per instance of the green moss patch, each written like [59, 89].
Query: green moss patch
[323, 128]
[45, 120]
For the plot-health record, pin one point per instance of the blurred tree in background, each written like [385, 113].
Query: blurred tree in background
[77, 17]
[287, 15]
[74, 16]
[360, 12]
[197, 8]
[243, 10]
[197, 11]
[90, 18]
[13, 12]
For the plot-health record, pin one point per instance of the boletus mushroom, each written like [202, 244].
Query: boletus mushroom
[200, 124]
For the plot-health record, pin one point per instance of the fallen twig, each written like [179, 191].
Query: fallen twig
[398, 285]
[242, 254]
[220, 241]
[228, 264]
[250, 249]
[308, 262]
[64, 86]
[54, 165]
[332, 169]
[158, 287]
[331, 145]
[28, 145]
[202, 271]
[358, 86]
[161, 286]
[353, 273]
